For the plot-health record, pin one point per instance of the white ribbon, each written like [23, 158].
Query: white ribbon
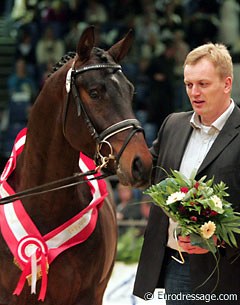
[33, 273]
[182, 261]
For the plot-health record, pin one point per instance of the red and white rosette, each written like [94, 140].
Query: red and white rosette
[32, 252]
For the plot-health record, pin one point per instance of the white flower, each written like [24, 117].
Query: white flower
[217, 201]
[218, 206]
[177, 196]
[208, 229]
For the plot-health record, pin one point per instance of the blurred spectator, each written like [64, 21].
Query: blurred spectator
[25, 49]
[148, 31]
[229, 24]
[48, 70]
[3, 126]
[235, 50]
[48, 48]
[77, 8]
[22, 92]
[127, 206]
[142, 86]
[202, 20]
[95, 12]
[152, 48]
[145, 206]
[22, 12]
[142, 105]
[181, 50]
[236, 82]
[171, 17]
[56, 14]
[72, 37]
[162, 80]
[119, 11]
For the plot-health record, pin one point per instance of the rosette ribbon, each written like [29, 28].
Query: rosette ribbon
[32, 259]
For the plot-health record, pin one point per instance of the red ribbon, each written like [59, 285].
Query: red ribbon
[27, 271]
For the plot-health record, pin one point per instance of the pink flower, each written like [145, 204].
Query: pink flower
[184, 189]
[213, 213]
[182, 209]
[193, 218]
[196, 185]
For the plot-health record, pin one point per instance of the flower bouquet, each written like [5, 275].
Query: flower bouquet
[199, 208]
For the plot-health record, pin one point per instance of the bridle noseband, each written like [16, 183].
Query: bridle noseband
[102, 137]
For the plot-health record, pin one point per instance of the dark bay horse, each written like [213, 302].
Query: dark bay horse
[84, 106]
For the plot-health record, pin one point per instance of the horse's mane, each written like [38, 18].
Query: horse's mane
[99, 52]
[62, 61]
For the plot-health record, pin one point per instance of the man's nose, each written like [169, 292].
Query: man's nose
[195, 90]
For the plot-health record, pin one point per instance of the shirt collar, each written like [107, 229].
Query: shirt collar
[218, 123]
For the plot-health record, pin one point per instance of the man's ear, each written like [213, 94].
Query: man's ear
[228, 84]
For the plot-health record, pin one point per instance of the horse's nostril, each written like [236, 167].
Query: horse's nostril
[141, 173]
[138, 169]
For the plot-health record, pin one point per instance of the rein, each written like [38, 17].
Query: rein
[52, 186]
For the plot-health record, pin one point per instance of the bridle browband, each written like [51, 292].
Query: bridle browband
[100, 137]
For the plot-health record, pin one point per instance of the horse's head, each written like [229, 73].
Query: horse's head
[100, 96]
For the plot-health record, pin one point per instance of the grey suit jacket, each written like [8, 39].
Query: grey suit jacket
[222, 162]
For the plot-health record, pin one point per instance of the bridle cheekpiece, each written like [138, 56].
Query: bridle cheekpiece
[102, 137]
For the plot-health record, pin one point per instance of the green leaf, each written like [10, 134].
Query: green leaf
[198, 240]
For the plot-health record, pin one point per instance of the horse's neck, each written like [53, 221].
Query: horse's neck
[47, 156]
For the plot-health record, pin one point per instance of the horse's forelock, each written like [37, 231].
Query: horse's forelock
[101, 54]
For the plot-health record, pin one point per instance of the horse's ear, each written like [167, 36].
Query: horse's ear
[86, 43]
[120, 49]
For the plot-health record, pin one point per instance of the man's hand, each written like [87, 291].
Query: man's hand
[185, 243]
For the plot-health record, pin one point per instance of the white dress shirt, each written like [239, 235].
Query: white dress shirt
[200, 142]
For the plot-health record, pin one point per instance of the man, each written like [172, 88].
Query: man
[206, 141]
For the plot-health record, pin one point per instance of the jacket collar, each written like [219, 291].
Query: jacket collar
[226, 135]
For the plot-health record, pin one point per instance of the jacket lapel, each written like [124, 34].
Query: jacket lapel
[226, 135]
[183, 134]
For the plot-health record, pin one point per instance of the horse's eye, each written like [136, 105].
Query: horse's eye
[93, 94]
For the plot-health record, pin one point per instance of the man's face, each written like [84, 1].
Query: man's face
[208, 93]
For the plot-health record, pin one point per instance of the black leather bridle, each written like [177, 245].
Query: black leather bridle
[100, 137]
